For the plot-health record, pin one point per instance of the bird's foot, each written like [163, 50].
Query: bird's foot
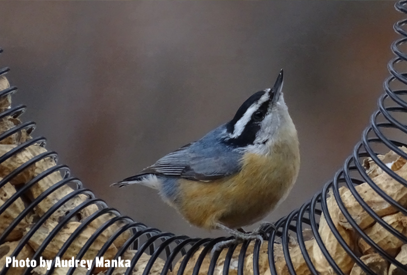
[264, 228]
[244, 236]
[221, 245]
[259, 233]
[239, 237]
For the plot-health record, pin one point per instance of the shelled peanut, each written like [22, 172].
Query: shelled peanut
[375, 231]
[296, 257]
[344, 261]
[11, 213]
[220, 262]
[335, 249]
[141, 265]
[402, 258]
[128, 255]
[382, 237]
[8, 189]
[61, 238]
[9, 121]
[47, 182]
[23, 156]
[59, 271]
[377, 203]
[101, 220]
[373, 261]
[5, 102]
[7, 249]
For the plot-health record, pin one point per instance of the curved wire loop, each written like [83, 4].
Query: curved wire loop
[167, 246]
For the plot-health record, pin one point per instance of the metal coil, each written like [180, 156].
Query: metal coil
[171, 247]
[353, 173]
[157, 241]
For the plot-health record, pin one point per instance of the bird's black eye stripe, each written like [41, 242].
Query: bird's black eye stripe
[248, 135]
[242, 110]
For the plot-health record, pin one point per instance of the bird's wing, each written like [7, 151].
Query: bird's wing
[210, 168]
[199, 165]
[171, 164]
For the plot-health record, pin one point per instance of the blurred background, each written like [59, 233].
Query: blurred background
[116, 85]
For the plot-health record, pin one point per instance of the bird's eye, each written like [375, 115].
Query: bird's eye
[258, 116]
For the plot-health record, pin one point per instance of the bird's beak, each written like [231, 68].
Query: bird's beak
[278, 86]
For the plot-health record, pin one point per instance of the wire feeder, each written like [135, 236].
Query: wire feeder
[171, 246]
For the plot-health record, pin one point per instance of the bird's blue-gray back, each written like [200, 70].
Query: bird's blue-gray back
[203, 160]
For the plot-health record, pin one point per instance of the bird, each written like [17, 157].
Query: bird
[237, 173]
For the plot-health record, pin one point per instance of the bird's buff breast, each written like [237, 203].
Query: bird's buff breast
[244, 198]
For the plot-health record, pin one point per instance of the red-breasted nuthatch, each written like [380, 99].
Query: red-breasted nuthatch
[237, 173]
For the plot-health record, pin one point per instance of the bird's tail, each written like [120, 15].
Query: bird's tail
[148, 180]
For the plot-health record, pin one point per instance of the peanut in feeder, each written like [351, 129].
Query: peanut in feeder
[338, 256]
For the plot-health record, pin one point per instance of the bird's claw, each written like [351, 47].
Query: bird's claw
[239, 238]
[263, 229]
[221, 245]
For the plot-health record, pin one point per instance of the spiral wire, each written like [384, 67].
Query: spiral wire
[353, 173]
[171, 247]
[157, 242]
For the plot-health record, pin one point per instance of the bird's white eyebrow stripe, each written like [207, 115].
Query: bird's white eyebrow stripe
[242, 122]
